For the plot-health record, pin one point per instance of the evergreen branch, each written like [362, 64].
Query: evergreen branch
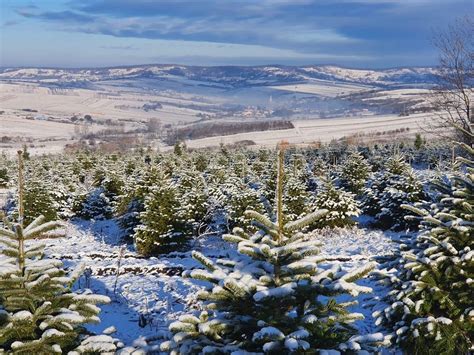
[305, 221]
[42, 229]
[263, 220]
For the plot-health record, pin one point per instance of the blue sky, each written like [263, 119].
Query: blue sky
[353, 33]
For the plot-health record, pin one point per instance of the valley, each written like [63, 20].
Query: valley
[50, 109]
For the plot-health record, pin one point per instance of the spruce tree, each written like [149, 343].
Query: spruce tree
[296, 198]
[96, 205]
[431, 305]
[161, 230]
[237, 197]
[341, 206]
[39, 313]
[388, 190]
[401, 189]
[418, 143]
[4, 179]
[354, 173]
[194, 207]
[320, 167]
[273, 297]
[38, 200]
[132, 202]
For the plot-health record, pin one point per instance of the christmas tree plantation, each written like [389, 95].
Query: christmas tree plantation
[39, 312]
[431, 307]
[274, 297]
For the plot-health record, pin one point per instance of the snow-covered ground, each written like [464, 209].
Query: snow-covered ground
[151, 290]
[324, 88]
[309, 131]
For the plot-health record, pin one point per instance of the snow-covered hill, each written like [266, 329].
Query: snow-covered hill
[232, 76]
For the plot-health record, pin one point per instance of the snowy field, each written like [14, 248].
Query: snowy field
[325, 130]
[114, 103]
[39, 112]
[153, 289]
[324, 88]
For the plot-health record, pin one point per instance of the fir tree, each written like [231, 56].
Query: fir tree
[160, 230]
[39, 313]
[418, 143]
[237, 197]
[320, 167]
[355, 172]
[3, 177]
[401, 189]
[296, 198]
[431, 309]
[340, 204]
[388, 190]
[39, 201]
[132, 202]
[96, 205]
[200, 162]
[273, 298]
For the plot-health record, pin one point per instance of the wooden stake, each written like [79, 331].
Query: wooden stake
[21, 186]
[21, 213]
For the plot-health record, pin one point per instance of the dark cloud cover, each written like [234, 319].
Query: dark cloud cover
[365, 28]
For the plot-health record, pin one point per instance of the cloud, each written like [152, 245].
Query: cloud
[10, 23]
[336, 28]
[124, 47]
[250, 30]
[64, 16]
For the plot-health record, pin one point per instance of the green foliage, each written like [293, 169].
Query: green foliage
[354, 173]
[296, 201]
[276, 269]
[320, 167]
[388, 190]
[340, 204]
[194, 208]
[39, 313]
[179, 148]
[39, 201]
[160, 229]
[237, 197]
[418, 143]
[430, 306]
[200, 162]
[3, 177]
[132, 201]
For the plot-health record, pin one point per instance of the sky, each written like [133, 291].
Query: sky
[349, 33]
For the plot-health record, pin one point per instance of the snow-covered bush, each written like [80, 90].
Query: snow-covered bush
[388, 190]
[320, 167]
[354, 173]
[431, 304]
[96, 205]
[4, 179]
[296, 200]
[237, 196]
[401, 189]
[160, 228]
[132, 202]
[341, 205]
[39, 201]
[193, 196]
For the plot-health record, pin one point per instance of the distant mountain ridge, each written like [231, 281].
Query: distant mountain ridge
[227, 76]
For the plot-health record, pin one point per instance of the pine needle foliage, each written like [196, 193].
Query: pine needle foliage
[39, 313]
[431, 308]
[341, 205]
[273, 297]
[354, 173]
[388, 190]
